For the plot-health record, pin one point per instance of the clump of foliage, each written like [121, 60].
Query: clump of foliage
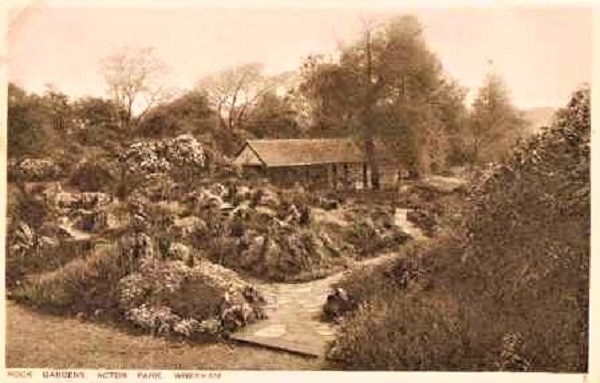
[510, 290]
[29, 252]
[189, 113]
[527, 261]
[26, 133]
[93, 175]
[32, 169]
[373, 232]
[82, 285]
[408, 332]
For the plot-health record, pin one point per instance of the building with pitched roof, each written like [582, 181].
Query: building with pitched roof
[325, 163]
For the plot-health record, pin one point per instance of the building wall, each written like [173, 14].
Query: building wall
[330, 176]
[323, 176]
[388, 175]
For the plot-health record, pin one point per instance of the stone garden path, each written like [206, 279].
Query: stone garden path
[294, 315]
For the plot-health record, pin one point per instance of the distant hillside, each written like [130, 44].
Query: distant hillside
[539, 117]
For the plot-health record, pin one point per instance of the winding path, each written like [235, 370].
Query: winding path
[294, 315]
[294, 309]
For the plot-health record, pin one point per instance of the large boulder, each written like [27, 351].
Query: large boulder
[338, 303]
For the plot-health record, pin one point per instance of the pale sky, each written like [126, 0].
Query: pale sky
[542, 53]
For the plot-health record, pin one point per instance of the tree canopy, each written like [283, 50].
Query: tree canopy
[413, 105]
[495, 124]
[26, 135]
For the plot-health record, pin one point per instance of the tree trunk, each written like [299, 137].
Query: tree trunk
[368, 120]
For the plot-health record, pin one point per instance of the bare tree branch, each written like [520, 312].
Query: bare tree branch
[233, 91]
[135, 79]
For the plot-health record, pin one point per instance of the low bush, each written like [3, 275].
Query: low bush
[82, 285]
[43, 259]
[36, 250]
[370, 237]
[173, 298]
[30, 209]
[410, 268]
[400, 332]
[93, 175]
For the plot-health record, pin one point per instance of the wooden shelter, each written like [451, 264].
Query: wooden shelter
[319, 163]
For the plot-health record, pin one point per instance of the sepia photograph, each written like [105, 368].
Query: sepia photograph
[205, 187]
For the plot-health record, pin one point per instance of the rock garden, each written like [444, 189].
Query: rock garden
[162, 246]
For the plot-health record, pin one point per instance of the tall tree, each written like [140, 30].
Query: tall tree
[332, 96]
[494, 124]
[367, 120]
[390, 86]
[136, 80]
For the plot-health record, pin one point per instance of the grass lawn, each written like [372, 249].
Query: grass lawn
[37, 340]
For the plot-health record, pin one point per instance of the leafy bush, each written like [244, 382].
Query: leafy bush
[510, 292]
[93, 176]
[400, 332]
[526, 267]
[409, 268]
[169, 297]
[370, 237]
[182, 153]
[30, 209]
[82, 285]
[43, 258]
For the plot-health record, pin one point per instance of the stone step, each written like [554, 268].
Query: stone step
[282, 344]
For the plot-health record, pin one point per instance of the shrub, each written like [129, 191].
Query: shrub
[515, 278]
[172, 298]
[30, 209]
[409, 268]
[82, 285]
[400, 332]
[369, 237]
[93, 176]
[526, 268]
[43, 258]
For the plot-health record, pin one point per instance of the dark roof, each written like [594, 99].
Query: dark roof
[298, 152]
